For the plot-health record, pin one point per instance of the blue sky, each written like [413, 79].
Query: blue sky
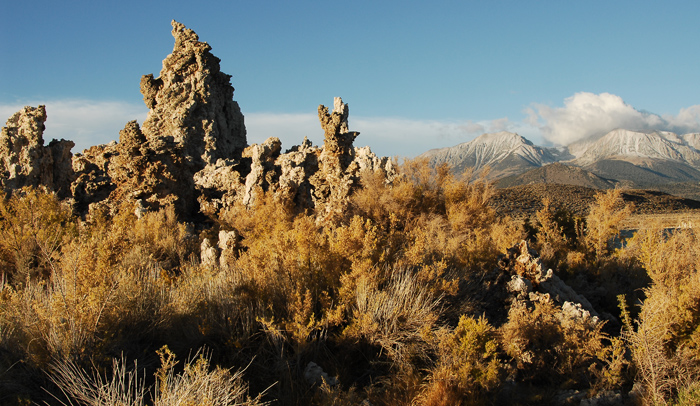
[416, 75]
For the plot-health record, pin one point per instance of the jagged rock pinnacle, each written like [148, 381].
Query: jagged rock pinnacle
[337, 139]
[191, 102]
[191, 151]
[25, 161]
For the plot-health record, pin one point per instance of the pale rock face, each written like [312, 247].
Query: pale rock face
[208, 254]
[25, 161]
[262, 167]
[228, 242]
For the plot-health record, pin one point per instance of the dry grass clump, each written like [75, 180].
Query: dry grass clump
[401, 318]
[197, 384]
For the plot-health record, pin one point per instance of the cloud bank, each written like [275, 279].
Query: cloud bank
[588, 116]
[583, 116]
[386, 136]
[85, 122]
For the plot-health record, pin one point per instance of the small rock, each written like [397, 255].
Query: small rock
[314, 374]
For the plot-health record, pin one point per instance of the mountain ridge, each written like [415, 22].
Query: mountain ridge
[620, 158]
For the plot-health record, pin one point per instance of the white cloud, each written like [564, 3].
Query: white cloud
[687, 120]
[501, 124]
[409, 138]
[386, 136]
[89, 122]
[471, 127]
[85, 122]
[588, 115]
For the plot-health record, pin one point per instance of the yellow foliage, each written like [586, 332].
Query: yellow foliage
[542, 340]
[603, 221]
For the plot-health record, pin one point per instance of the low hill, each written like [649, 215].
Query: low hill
[525, 200]
[644, 173]
[557, 173]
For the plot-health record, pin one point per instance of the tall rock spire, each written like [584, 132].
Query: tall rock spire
[191, 102]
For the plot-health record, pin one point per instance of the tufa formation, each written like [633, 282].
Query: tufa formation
[25, 161]
[191, 152]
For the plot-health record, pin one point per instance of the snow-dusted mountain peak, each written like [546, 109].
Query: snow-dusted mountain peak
[504, 152]
[624, 144]
[636, 157]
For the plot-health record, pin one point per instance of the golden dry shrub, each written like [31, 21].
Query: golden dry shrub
[551, 243]
[468, 369]
[603, 222]
[665, 344]
[432, 216]
[548, 347]
[106, 287]
[34, 225]
[286, 265]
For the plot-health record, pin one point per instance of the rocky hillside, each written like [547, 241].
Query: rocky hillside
[191, 152]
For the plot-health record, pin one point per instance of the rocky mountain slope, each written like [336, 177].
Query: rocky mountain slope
[504, 153]
[191, 152]
[626, 144]
[620, 158]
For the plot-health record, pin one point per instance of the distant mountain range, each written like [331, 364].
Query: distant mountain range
[622, 158]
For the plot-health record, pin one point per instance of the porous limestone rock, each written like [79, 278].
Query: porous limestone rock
[339, 163]
[25, 161]
[319, 179]
[315, 375]
[191, 102]
[228, 243]
[92, 184]
[208, 254]
[191, 152]
[192, 122]
[531, 281]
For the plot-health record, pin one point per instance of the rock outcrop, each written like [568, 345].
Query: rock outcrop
[530, 282]
[193, 121]
[319, 179]
[191, 103]
[191, 151]
[25, 161]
